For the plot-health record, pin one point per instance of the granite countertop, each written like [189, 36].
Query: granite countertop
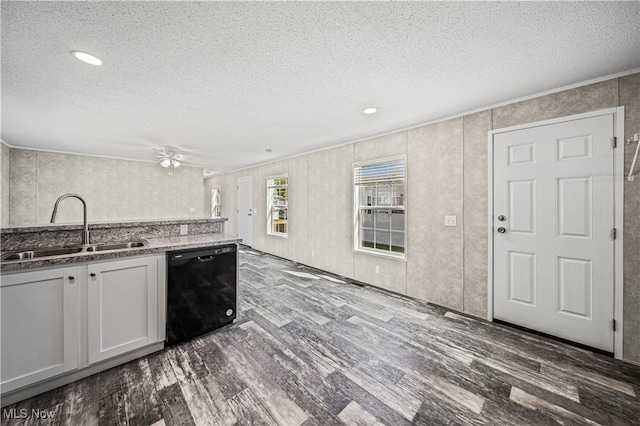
[156, 245]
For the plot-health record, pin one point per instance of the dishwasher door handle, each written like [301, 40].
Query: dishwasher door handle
[206, 258]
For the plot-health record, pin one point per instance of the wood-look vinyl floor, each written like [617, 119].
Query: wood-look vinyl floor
[308, 349]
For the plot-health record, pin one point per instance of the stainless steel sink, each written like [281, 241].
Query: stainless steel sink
[116, 246]
[60, 251]
[32, 254]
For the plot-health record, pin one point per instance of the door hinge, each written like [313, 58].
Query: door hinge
[613, 324]
[614, 233]
[614, 142]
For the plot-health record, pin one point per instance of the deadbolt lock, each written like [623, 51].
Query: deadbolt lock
[502, 218]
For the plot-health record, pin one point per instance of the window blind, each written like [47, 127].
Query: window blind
[391, 172]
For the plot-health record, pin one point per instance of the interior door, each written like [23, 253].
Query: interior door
[553, 217]
[245, 209]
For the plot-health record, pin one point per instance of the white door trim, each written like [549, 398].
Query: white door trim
[250, 179]
[618, 291]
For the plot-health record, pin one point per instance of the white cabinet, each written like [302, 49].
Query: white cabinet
[122, 306]
[39, 325]
[62, 320]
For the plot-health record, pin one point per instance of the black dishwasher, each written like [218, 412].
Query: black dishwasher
[201, 291]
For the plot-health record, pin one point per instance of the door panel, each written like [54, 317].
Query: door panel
[522, 154]
[575, 207]
[522, 206]
[574, 286]
[576, 148]
[553, 265]
[522, 277]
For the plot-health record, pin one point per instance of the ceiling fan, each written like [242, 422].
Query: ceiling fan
[170, 156]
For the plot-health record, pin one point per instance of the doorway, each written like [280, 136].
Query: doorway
[555, 228]
[245, 209]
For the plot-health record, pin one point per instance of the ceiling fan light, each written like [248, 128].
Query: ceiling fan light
[175, 163]
[165, 162]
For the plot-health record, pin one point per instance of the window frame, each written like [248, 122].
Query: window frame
[271, 205]
[358, 208]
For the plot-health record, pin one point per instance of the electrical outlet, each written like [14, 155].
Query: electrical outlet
[450, 221]
[313, 253]
[192, 209]
[184, 229]
[377, 269]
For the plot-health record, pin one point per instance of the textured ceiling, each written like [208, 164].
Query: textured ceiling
[223, 81]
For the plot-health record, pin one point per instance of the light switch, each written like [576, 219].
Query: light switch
[450, 221]
[192, 209]
[184, 229]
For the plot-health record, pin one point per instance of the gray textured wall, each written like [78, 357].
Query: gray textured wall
[447, 175]
[113, 189]
[5, 170]
[629, 92]
[435, 252]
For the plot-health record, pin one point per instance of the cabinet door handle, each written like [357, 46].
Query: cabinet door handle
[93, 275]
[71, 278]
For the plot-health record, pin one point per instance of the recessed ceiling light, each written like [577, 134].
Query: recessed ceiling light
[370, 110]
[87, 57]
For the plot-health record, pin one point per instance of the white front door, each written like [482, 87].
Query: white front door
[245, 209]
[553, 217]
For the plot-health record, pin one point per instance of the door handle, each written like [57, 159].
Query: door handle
[501, 230]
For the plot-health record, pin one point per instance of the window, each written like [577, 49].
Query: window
[216, 208]
[380, 207]
[277, 200]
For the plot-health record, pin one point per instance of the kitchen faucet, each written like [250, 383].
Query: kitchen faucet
[85, 232]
